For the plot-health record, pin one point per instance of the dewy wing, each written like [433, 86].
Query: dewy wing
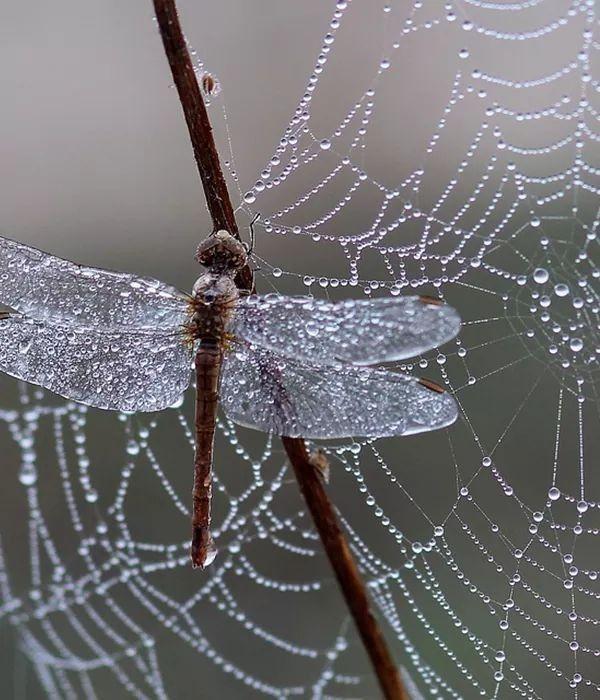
[300, 398]
[355, 331]
[48, 288]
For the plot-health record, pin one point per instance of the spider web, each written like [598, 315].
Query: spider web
[479, 543]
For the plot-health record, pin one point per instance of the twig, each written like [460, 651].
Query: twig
[311, 485]
[198, 123]
[342, 561]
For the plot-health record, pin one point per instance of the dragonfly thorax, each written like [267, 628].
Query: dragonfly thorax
[211, 288]
[222, 253]
[214, 296]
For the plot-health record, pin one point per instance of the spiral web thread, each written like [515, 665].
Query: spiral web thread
[487, 573]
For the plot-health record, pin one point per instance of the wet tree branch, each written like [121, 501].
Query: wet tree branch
[198, 123]
[309, 480]
[346, 570]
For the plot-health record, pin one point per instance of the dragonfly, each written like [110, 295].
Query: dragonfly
[293, 366]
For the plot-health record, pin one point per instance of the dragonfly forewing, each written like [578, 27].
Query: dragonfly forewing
[48, 288]
[273, 393]
[359, 332]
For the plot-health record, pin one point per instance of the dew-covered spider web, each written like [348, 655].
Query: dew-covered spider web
[449, 149]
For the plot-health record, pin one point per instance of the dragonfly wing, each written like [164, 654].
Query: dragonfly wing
[51, 289]
[361, 332]
[124, 371]
[272, 393]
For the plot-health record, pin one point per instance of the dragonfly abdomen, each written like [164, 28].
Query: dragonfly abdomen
[214, 297]
[208, 368]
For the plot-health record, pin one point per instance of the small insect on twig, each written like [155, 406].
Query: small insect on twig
[210, 85]
[318, 459]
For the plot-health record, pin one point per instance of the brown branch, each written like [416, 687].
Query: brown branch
[342, 561]
[198, 123]
[222, 214]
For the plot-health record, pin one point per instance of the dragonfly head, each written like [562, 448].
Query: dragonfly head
[222, 253]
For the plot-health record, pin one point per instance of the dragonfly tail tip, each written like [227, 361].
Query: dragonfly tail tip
[203, 550]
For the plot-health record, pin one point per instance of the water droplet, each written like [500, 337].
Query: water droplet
[554, 494]
[249, 197]
[133, 447]
[325, 144]
[210, 555]
[28, 475]
[540, 275]
[178, 403]
[576, 344]
[561, 290]
[582, 506]
[312, 329]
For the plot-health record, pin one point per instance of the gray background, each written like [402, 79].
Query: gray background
[95, 166]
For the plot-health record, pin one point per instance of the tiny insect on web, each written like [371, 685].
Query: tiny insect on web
[293, 366]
